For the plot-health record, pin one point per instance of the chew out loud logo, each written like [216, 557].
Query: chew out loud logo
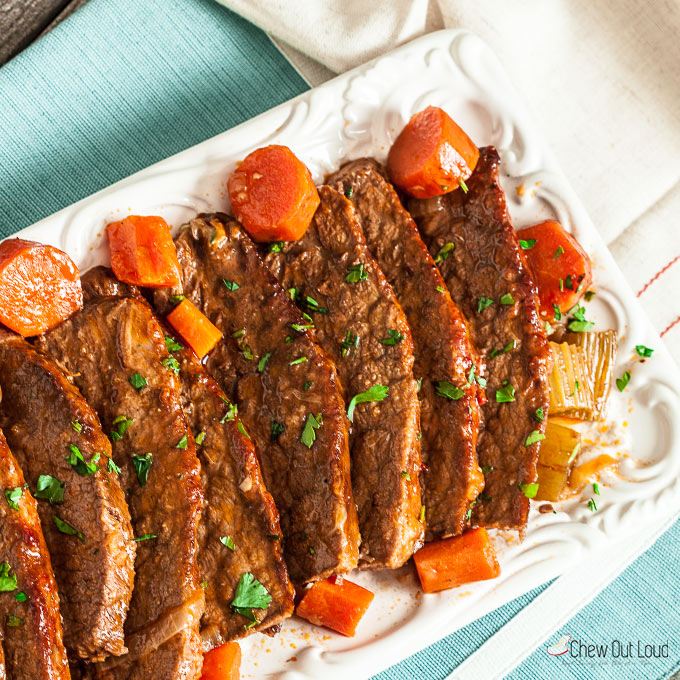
[569, 647]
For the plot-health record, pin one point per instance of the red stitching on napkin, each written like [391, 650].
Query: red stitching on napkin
[657, 275]
[670, 325]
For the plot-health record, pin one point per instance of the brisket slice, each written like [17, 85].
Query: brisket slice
[310, 485]
[43, 414]
[33, 649]
[487, 263]
[107, 346]
[236, 503]
[443, 351]
[385, 451]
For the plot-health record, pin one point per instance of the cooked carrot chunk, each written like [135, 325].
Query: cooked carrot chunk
[432, 155]
[194, 327]
[560, 266]
[143, 252]
[39, 286]
[454, 561]
[222, 663]
[335, 603]
[273, 195]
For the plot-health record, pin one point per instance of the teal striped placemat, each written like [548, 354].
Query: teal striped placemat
[122, 84]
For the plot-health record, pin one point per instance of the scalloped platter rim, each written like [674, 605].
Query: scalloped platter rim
[357, 114]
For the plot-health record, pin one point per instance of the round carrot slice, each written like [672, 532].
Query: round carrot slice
[432, 155]
[273, 195]
[39, 286]
[561, 268]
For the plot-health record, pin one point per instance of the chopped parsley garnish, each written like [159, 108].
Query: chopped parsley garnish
[142, 464]
[463, 186]
[483, 303]
[406, 475]
[644, 351]
[77, 427]
[226, 541]
[495, 352]
[21, 597]
[204, 584]
[138, 381]
[263, 362]
[313, 306]
[569, 282]
[420, 436]
[311, 550]
[274, 537]
[67, 529]
[13, 496]
[559, 251]
[75, 458]
[444, 251]
[176, 299]
[548, 328]
[419, 384]
[528, 244]
[239, 334]
[356, 274]
[375, 393]
[277, 430]
[293, 293]
[247, 352]
[200, 437]
[486, 469]
[14, 621]
[146, 537]
[441, 289]
[349, 191]
[558, 312]
[276, 247]
[446, 389]
[529, 490]
[172, 345]
[623, 381]
[182, 443]
[230, 285]
[507, 299]
[242, 429]
[121, 424]
[592, 506]
[350, 342]
[50, 489]
[111, 466]
[579, 324]
[303, 327]
[171, 363]
[573, 453]
[561, 285]
[8, 582]
[393, 338]
[534, 436]
[596, 489]
[472, 378]
[306, 385]
[421, 516]
[505, 393]
[288, 339]
[250, 594]
[299, 360]
[232, 411]
[312, 424]
[539, 415]
[589, 295]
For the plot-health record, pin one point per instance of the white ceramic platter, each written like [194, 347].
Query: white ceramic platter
[359, 114]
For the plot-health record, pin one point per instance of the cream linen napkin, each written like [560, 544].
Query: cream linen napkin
[602, 79]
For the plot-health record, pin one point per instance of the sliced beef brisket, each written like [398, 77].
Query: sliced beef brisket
[487, 278]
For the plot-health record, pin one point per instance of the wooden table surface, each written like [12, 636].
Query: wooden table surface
[23, 21]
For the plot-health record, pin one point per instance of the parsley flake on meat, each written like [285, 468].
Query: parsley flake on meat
[21, 597]
[445, 251]
[230, 285]
[142, 464]
[529, 490]
[111, 466]
[356, 274]
[50, 489]
[507, 299]
[539, 415]
[276, 247]
[299, 360]
[463, 186]
[242, 429]
[441, 289]
[250, 594]
[299, 327]
[306, 385]
[182, 443]
[446, 389]
[643, 351]
[495, 352]
[293, 293]
[13, 496]
[67, 529]
[121, 424]
[313, 306]
[227, 542]
[75, 458]
[309, 431]
[277, 429]
[200, 437]
[171, 364]
[232, 411]
[76, 426]
[172, 345]
[350, 342]
[483, 303]
[505, 393]
[393, 338]
[8, 582]
[138, 381]
[375, 393]
[146, 537]
[14, 621]
[534, 436]
[263, 362]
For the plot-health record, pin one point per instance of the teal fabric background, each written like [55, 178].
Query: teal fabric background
[124, 83]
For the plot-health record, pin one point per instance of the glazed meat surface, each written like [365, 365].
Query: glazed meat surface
[237, 508]
[47, 422]
[452, 478]
[488, 280]
[334, 278]
[263, 333]
[31, 644]
[116, 352]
